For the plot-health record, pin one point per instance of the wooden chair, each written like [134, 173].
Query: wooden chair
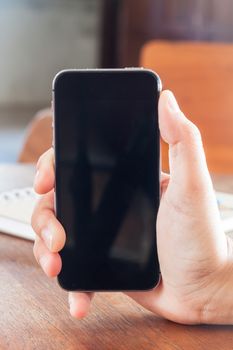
[201, 76]
[38, 137]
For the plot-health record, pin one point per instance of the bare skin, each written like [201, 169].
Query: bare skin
[196, 257]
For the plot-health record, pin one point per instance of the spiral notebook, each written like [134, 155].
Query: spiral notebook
[16, 207]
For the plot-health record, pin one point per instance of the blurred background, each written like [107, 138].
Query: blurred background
[40, 37]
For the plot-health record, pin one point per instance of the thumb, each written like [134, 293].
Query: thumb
[190, 190]
[186, 155]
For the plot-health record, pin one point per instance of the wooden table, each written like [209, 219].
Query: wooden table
[34, 311]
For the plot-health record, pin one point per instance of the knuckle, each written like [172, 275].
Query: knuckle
[194, 132]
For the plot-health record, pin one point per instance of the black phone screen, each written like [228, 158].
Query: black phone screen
[107, 178]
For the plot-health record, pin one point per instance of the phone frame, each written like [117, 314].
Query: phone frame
[110, 70]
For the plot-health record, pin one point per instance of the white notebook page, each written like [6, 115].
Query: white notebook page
[16, 207]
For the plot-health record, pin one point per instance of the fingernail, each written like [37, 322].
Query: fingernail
[172, 103]
[70, 300]
[43, 261]
[47, 238]
[36, 177]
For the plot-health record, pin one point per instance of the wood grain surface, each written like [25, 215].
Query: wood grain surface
[34, 313]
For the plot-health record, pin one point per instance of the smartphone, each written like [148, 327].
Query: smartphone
[107, 177]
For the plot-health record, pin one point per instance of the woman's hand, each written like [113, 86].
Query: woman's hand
[196, 258]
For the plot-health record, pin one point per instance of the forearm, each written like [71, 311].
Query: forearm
[219, 310]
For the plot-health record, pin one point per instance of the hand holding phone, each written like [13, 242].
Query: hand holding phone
[194, 266]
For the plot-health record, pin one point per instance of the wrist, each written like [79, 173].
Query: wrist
[219, 308]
